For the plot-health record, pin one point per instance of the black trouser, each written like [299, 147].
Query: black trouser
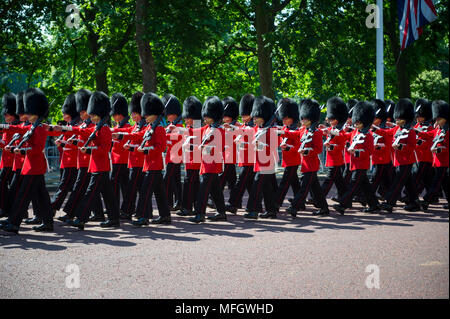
[77, 194]
[129, 201]
[359, 184]
[209, 184]
[334, 176]
[347, 174]
[381, 178]
[99, 183]
[309, 183]
[244, 182]
[228, 176]
[31, 186]
[5, 178]
[119, 180]
[14, 187]
[423, 175]
[403, 178]
[152, 182]
[68, 178]
[172, 182]
[191, 188]
[440, 180]
[262, 187]
[290, 178]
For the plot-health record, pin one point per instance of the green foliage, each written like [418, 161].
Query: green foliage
[430, 85]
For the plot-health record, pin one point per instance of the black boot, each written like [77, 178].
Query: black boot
[10, 228]
[44, 227]
[162, 220]
[110, 223]
[386, 207]
[372, 210]
[199, 218]
[292, 211]
[218, 217]
[124, 216]
[231, 209]
[97, 218]
[140, 222]
[251, 215]
[76, 223]
[268, 215]
[211, 204]
[33, 221]
[412, 207]
[64, 218]
[185, 212]
[339, 208]
[424, 205]
[3, 213]
[322, 212]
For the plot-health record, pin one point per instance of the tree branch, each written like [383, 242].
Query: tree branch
[241, 10]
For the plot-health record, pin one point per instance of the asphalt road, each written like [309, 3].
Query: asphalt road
[309, 257]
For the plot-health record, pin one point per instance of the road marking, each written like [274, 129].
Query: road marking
[432, 263]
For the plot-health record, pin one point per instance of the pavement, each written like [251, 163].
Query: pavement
[358, 255]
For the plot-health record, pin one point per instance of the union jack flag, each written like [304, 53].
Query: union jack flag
[413, 15]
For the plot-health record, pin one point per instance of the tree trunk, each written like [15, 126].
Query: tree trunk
[264, 23]
[144, 49]
[401, 68]
[101, 80]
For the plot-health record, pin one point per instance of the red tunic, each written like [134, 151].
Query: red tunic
[382, 154]
[7, 157]
[361, 159]
[174, 152]
[290, 157]
[153, 161]
[135, 158]
[424, 145]
[119, 155]
[440, 158]
[309, 161]
[406, 155]
[335, 153]
[19, 159]
[191, 154]
[212, 153]
[246, 154]
[35, 162]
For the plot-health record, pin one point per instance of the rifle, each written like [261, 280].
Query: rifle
[400, 135]
[438, 139]
[358, 139]
[14, 138]
[97, 128]
[29, 133]
[266, 126]
[141, 124]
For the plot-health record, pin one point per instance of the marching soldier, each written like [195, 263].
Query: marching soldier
[265, 143]
[440, 151]
[337, 115]
[311, 145]
[69, 154]
[135, 158]
[381, 157]
[289, 114]
[404, 144]
[173, 160]
[153, 145]
[119, 155]
[192, 111]
[211, 148]
[6, 164]
[34, 166]
[97, 145]
[360, 149]
[243, 140]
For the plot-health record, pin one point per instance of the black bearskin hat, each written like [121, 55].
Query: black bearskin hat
[230, 107]
[337, 109]
[246, 104]
[364, 112]
[20, 109]
[9, 104]
[263, 107]
[423, 109]
[440, 109]
[192, 108]
[174, 106]
[380, 109]
[151, 104]
[119, 104]
[213, 108]
[288, 108]
[135, 103]
[82, 99]
[350, 105]
[310, 109]
[70, 106]
[404, 109]
[99, 104]
[35, 102]
[390, 106]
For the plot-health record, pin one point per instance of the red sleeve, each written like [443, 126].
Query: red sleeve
[37, 141]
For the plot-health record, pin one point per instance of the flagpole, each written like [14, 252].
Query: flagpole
[380, 53]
